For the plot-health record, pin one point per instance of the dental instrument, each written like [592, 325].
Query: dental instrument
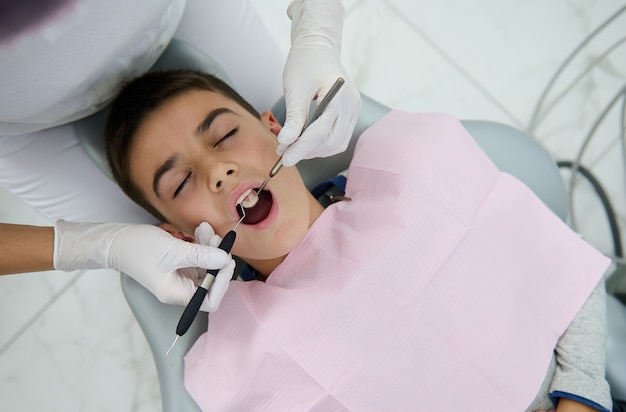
[317, 113]
[193, 307]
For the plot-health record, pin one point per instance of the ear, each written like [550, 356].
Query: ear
[177, 233]
[268, 119]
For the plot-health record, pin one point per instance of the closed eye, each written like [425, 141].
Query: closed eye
[182, 185]
[227, 136]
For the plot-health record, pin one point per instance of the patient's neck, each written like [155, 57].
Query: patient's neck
[264, 268]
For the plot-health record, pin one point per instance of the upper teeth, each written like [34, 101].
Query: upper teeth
[248, 199]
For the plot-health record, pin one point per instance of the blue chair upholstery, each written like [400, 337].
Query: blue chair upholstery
[512, 150]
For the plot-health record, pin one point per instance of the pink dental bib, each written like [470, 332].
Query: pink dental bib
[443, 285]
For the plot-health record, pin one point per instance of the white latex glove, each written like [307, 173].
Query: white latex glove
[313, 65]
[164, 265]
[205, 235]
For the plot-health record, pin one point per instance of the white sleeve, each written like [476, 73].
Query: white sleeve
[50, 171]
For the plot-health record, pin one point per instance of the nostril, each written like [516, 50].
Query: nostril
[219, 183]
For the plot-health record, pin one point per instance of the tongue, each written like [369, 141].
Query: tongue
[260, 211]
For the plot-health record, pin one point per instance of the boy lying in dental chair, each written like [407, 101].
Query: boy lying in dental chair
[443, 284]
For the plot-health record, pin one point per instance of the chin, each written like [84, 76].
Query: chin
[280, 242]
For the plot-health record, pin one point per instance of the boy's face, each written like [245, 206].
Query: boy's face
[196, 155]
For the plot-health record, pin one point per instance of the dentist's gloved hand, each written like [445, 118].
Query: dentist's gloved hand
[313, 65]
[164, 265]
[205, 235]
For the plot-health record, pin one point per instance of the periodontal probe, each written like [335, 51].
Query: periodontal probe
[193, 307]
[317, 113]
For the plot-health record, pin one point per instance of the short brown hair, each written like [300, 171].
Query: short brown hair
[135, 102]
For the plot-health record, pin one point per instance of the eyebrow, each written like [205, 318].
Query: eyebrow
[208, 120]
[204, 125]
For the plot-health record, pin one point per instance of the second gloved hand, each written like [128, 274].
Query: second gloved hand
[313, 65]
[166, 266]
[205, 235]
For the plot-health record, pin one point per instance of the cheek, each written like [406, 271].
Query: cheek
[269, 245]
[189, 213]
[263, 148]
[291, 228]
[292, 234]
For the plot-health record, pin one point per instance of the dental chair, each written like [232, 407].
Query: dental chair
[511, 150]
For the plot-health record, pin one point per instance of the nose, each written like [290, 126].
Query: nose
[220, 174]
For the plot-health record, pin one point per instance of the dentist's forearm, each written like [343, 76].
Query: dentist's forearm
[25, 248]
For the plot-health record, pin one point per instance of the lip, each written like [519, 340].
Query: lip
[271, 216]
[240, 190]
[236, 194]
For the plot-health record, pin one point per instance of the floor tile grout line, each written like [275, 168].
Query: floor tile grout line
[516, 122]
[28, 324]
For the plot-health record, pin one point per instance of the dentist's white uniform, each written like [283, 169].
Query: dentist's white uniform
[72, 65]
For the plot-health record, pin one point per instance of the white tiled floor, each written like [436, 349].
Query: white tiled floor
[68, 341]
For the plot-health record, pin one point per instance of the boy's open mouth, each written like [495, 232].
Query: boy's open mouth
[258, 212]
